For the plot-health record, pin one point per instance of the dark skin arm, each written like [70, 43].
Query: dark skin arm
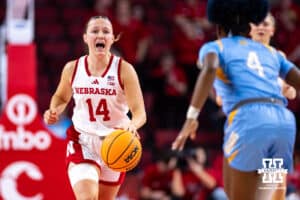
[203, 86]
[293, 78]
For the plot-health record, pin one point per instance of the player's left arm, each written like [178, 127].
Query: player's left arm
[133, 95]
[202, 88]
[205, 81]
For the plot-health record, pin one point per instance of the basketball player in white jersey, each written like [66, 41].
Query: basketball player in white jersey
[104, 88]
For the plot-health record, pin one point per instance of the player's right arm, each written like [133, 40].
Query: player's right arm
[293, 78]
[287, 90]
[290, 75]
[62, 95]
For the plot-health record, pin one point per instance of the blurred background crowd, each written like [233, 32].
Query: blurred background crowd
[161, 39]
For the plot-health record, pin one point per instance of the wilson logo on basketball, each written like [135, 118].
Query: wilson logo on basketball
[132, 154]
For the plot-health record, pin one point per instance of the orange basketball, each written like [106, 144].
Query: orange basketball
[121, 150]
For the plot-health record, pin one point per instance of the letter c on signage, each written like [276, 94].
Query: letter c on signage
[9, 176]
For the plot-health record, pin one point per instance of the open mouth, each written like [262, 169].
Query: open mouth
[100, 45]
[261, 33]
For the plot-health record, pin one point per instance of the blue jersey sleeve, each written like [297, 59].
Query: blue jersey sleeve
[210, 47]
[285, 64]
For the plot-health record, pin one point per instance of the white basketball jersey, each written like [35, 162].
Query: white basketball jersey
[100, 104]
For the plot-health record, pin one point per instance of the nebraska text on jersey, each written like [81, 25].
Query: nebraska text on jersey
[101, 91]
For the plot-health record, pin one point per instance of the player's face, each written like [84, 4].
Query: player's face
[99, 36]
[263, 31]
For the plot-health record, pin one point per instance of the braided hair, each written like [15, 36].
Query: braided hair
[234, 16]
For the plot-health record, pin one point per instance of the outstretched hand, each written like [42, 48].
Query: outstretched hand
[188, 131]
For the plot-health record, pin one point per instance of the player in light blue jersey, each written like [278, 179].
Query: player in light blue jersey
[263, 33]
[259, 128]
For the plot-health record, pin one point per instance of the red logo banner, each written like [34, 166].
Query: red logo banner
[32, 164]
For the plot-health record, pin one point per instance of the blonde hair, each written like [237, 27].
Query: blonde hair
[272, 18]
[117, 38]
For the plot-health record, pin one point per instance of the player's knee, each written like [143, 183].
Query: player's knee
[83, 171]
[84, 180]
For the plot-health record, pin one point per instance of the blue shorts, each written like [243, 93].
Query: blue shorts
[256, 131]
